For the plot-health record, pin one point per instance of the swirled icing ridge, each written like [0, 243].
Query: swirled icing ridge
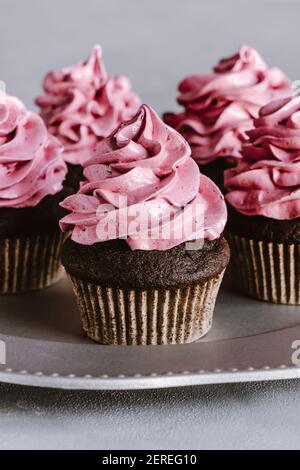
[83, 104]
[267, 180]
[220, 107]
[148, 165]
[31, 163]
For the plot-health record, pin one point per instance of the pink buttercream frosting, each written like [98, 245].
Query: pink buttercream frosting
[220, 107]
[31, 163]
[83, 104]
[267, 180]
[149, 165]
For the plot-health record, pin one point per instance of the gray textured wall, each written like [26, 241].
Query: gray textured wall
[154, 42]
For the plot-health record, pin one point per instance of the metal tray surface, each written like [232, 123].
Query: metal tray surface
[45, 347]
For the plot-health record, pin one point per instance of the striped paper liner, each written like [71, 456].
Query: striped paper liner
[267, 271]
[30, 263]
[143, 317]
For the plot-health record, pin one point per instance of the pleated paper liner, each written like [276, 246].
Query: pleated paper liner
[267, 271]
[116, 316]
[30, 263]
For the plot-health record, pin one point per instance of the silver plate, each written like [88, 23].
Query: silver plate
[45, 347]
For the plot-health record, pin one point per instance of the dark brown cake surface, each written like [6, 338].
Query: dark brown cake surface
[215, 171]
[263, 228]
[40, 219]
[113, 263]
[73, 178]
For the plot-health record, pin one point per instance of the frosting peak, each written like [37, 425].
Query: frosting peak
[220, 107]
[244, 59]
[267, 180]
[85, 76]
[144, 167]
[31, 164]
[83, 104]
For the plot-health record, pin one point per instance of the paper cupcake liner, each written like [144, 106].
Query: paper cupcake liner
[30, 263]
[267, 271]
[142, 317]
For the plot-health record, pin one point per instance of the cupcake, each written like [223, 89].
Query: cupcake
[83, 104]
[32, 171]
[220, 107]
[264, 205]
[146, 254]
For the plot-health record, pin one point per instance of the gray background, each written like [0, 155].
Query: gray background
[155, 43]
[249, 416]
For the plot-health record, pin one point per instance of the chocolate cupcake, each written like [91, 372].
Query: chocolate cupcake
[264, 206]
[31, 177]
[146, 255]
[220, 108]
[81, 105]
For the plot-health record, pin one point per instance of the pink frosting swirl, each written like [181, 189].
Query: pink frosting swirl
[82, 104]
[267, 180]
[150, 165]
[31, 163]
[220, 107]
